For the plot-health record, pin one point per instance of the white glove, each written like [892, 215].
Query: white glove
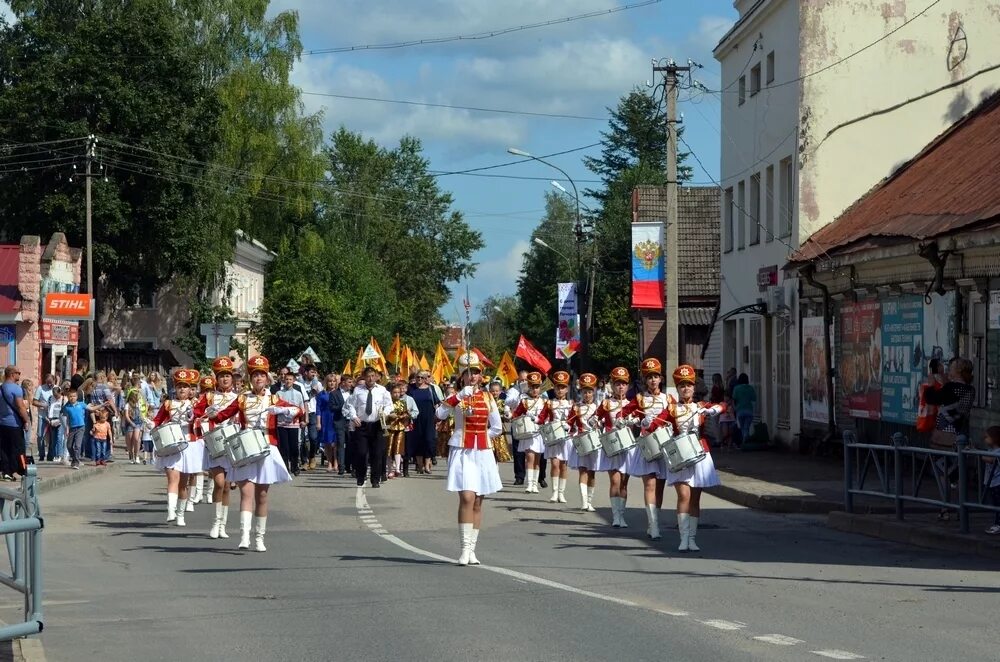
[212, 411]
[647, 421]
[466, 392]
[669, 428]
[276, 410]
[621, 423]
[593, 423]
[565, 425]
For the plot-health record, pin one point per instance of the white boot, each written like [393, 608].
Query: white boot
[199, 488]
[245, 517]
[653, 515]
[616, 512]
[683, 520]
[260, 526]
[622, 522]
[555, 490]
[534, 482]
[217, 524]
[180, 512]
[208, 494]
[171, 506]
[562, 490]
[473, 539]
[529, 475]
[584, 502]
[590, 500]
[692, 532]
[222, 522]
[465, 534]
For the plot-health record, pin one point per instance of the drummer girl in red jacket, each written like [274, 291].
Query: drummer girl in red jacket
[686, 417]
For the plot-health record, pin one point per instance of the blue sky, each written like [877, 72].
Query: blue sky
[576, 68]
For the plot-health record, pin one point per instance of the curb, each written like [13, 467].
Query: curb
[47, 484]
[903, 532]
[769, 502]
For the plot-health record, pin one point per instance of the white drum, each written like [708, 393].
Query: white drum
[554, 433]
[587, 443]
[617, 441]
[215, 439]
[169, 439]
[523, 427]
[683, 451]
[651, 445]
[247, 447]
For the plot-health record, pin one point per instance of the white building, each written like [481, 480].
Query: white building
[820, 103]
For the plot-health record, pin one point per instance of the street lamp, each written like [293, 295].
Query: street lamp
[578, 230]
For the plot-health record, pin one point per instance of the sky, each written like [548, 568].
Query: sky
[579, 67]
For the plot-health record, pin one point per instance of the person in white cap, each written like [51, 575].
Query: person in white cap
[472, 468]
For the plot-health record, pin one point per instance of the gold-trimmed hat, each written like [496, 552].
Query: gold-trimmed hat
[651, 367]
[207, 383]
[684, 374]
[469, 361]
[222, 365]
[620, 374]
[186, 377]
[560, 378]
[588, 380]
[534, 379]
[258, 363]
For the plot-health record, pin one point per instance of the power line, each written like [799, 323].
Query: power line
[489, 34]
[479, 109]
[510, 163]
[846, 57]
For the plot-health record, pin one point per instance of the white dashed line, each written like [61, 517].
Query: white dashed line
[778, 640]
[361, 504]
[839, 654]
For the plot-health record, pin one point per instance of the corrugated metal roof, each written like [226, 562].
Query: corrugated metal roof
[952, 184]
[10, 293]
[695, 316]
[698, 213]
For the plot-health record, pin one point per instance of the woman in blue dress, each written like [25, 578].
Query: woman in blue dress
[421, 439]
[325, 429]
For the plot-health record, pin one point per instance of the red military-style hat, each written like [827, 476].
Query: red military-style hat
[222, 364]
[588, 380]
[534, 379]
[651, 367]
[620, 374]
[560, 378]
[258, 364]
[684, 374]
[207, 383]
[186, 377]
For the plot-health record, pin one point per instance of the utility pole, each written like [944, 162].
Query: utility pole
[670, 71]
[91, 341]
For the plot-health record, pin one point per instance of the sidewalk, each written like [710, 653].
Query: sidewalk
[52, 476]
[789, 483]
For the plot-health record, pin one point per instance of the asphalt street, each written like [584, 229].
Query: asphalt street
[368, 575]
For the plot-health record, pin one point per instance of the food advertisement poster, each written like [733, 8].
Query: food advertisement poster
[903, 359]
[861, 358]
[815, 398]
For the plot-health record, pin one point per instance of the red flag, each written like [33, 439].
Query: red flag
[482, 357]
[529, 353]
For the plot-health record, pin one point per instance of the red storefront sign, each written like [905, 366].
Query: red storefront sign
[59, 333]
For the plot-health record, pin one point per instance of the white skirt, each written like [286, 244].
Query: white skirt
[637, 465]
[221, 462]
[702, 474]
[533, 443]
[591, 462]
[268, 471]
[174, 461]
[192, 458]
[562, 451]
[472, 470]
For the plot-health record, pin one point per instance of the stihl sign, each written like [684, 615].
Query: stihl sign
[66, 306]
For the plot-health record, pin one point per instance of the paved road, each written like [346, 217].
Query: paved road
[365, 575]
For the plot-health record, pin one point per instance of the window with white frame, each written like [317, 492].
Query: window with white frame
[727, 220]
[770, 67]
[741, 213]
[743, 89]
[754, 212]
[787, 198]
[769, 203]
[755, 79]
[784, 366]
[756, 363]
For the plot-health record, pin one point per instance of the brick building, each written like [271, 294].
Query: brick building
[28, 271]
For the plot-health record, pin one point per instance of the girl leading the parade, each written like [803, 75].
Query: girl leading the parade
[258, 409]
[646, 406]
[472, 469]
[686, 416]
[210, 404]
[177, 466]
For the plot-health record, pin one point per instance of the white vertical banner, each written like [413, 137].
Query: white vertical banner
[568, 330]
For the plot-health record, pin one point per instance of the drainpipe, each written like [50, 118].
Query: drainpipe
[809, 275]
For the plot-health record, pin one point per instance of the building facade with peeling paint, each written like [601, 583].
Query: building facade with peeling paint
[821, 100]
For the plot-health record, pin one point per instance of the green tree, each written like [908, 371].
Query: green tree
[495, 331]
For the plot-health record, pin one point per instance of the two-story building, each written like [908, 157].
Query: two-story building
[821, 100]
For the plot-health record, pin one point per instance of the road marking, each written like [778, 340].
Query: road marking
[839, 654]
[719, 624]
[778, 640]
[671, 612]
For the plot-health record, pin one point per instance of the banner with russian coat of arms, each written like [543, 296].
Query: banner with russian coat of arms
[647, 265]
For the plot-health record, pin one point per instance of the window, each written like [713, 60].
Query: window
[755, 79]
[729, 344]
[727, 221]
[756, 363]
[741, 212]
[753, 219]
[140, 298]
[784, 420]
[770, 68]
[743, 89]
[769, 204]
[787, 198]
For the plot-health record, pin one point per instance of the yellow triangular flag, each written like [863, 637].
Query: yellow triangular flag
[393, 356]
[507, 371]
[347, 368]
[424, 365]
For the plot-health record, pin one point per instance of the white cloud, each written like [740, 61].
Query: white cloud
[5, 11]
[499, 275]
[710, 30]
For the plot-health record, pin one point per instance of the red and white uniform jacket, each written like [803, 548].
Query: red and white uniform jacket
[176, 411]
[687, 418]
[254, 411]
[583, 418]
[208, 404]
[477, 419]
[555, 410]
[610, 411]
[647, 407]
[532, 407]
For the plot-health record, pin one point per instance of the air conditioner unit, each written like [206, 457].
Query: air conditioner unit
[775, 299]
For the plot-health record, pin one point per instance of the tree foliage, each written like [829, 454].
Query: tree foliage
[495, 330]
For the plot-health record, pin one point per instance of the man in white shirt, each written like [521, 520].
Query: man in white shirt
[311, 386]
[365, 407]
[289, 427]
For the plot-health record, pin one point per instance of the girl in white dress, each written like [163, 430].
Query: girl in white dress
[582, 419]
[560, 454]
[531, 405]
[210, 404]
[178, 466]
[610, 413]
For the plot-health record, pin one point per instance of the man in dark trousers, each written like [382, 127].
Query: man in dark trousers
[337, 401]
[366, 406]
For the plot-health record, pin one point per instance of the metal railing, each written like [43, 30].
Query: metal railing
[918, 475]
[21, 527]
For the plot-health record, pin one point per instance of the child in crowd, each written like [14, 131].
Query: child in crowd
[101, 432]
[74, 415]
[992, 477]
[146, 423]
[132, 423]
[53, 429]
